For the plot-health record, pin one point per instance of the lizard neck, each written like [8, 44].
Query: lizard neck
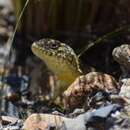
[65, 72]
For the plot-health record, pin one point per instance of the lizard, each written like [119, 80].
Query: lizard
[64, 63]
[60, 59]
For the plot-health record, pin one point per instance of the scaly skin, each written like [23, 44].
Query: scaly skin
[60, 59]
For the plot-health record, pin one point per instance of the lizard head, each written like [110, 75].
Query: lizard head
[121, 54]
[59, 57]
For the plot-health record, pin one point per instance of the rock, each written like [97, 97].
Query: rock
[9, 119]
[10, 123]
[34, 124]
[125, 88]
[90, 119]
[86, 86]
[53, 121]
[6, 3]
[121, 123]
[121, 55]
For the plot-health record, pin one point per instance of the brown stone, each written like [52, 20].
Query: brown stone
[121, 54]
[42, 122]
[87, 84]
[48, 121]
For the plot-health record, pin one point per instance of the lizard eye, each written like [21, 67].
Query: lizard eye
[54, 45]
